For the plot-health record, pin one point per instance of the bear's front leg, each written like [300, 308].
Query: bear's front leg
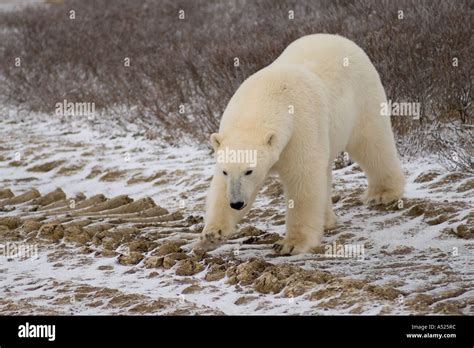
[306, 204]
[221, 219]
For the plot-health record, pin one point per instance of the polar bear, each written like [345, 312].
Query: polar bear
[320, 97]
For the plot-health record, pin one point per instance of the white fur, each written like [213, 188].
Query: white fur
[336, 108]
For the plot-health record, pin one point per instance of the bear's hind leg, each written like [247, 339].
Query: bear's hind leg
[373, 148]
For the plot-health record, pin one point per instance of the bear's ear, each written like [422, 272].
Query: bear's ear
[216, 140]
[270, 138]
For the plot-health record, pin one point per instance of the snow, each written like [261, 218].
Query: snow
[187, 169]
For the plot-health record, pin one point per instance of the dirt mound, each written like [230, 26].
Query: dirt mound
[247, 272]
[248, 231]
[53, 231]
[266, 238]
[215, 272]
[31, 225]
[268, 283]
[274, 189]
[76, 234]
[45, 167]
[427, 176]
[466, 186]
[155, 212]
[171, 259]
[113, 175]
[169, 247]
[139, 178]
[135, 207]
[6, 193]
[131, 258]
[69, 170]
[434, 213]
[448, 180]
[89, 202]
[109, 204]
[11, 222]
[188, 267]
[49, 198]
[267, 278]
[153, 262]
[24, 197]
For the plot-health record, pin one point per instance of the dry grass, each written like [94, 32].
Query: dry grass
[190, 62]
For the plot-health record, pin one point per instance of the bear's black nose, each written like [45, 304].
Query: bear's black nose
[237, 205]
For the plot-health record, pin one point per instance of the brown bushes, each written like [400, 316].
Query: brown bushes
[187, 64]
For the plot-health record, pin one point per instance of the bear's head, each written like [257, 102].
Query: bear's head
[244, 163]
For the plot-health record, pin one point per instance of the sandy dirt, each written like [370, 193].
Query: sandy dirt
[97, 219]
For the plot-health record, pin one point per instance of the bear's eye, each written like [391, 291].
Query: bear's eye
[224, 172]
[248, 172]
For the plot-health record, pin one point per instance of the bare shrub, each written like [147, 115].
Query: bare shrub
[188, 64]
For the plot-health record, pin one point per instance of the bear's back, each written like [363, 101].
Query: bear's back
[332, 57]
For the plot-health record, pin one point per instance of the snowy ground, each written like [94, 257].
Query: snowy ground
[104, 220]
